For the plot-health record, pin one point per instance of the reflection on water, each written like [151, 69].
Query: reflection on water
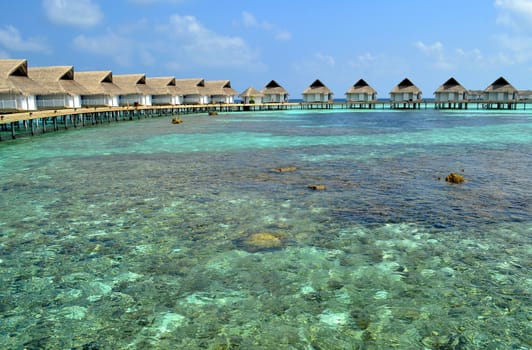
[151, 235]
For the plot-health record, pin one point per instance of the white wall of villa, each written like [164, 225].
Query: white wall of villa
[406, 96]
[450, 96]
[226, 99]
[58, 101]
[255, 99]
[275, 98]
[195, 99]
[135, 99]
[166, 100]
[99, 100]
[18, 102]
[500, 96]
[360, 97]
[317, 97]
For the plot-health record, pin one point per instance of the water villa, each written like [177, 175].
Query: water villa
[134, 90]
[361, 94]
[62, 90]
[451, 95]
[17, 90]
[220, 91]
[193, 91]
[317, 92]
[500, 94]
[405, 95]
[165, 91]
[101, 90]
[251, 96]
[274, 93]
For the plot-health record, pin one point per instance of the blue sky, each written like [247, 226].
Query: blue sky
[292, 42]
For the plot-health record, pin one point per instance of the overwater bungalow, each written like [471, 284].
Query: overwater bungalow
[17, 90]
[450, 94]
[361, 92]
[165, 91]
[405, 91]
[193, 91]
[317, 92]
[405, 95]
[500, 95]
[101, 90]
[500, 91]
[62, 90]
[274, 93]
[220, 91]
[450, 91]
[134, 90]
[251, 95]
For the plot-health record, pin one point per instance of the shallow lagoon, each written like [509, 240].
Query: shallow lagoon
[141, 234]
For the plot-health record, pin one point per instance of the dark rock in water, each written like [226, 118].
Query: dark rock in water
[262, 241]
[454, 178]
[91, 346]
[212, 113]
[317, 187]
[176, 120]
[286, 169]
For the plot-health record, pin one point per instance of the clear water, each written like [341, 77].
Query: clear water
[148, 235]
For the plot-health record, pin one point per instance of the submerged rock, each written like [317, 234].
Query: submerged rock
[454, 178]
[285, 169]
[261, 241]
[317, 187]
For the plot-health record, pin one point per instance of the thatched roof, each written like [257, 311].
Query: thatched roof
[163, 86]
[451, 85]
[361, 87]
[219, 88]
[317, 87]
[57, 79]
[501, 85]
[274, 88]
[251, 92]
[193, 86]
[98, 82]
[132, 84]
[405, 86]
[14, 78]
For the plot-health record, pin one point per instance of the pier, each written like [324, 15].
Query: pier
[30, 123]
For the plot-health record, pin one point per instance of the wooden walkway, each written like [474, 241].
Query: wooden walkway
[30, 123]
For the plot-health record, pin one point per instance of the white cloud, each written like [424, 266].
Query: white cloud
[181, 42]
[283, 35]
[77, 13]
[201, 45]
[325, 59]
[436, 53]
[249, 20]
[318, 62]
[113, 45]
[516, 16]
[363, 60]
[515, 12]
[12, 40]
[474, 54]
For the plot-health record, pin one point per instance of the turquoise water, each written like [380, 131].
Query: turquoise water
[148, 235]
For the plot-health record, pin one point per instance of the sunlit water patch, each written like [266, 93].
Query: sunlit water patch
[151, 235]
